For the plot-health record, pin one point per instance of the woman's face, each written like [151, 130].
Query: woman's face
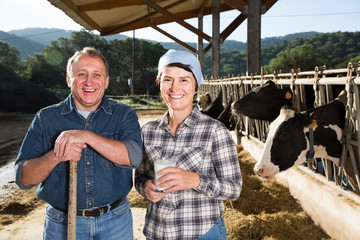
[177, 88]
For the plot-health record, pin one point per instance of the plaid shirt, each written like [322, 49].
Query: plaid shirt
[202, 145]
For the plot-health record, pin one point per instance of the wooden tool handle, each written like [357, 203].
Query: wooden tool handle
[72, 200]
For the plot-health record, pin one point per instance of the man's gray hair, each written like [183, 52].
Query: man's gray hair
[89, 51]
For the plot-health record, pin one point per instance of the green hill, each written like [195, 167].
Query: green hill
[26, 46]
[46, 35]
[31, 40]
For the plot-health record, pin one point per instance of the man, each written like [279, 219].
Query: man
[102, 135]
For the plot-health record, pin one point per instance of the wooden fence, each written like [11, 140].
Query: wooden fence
[310, 89]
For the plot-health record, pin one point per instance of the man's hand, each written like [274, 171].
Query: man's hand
[69, 145]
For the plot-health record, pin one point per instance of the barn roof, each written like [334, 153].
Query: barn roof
[115, 16]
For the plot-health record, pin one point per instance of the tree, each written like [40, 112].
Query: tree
[43, 74]
[9, 56]
[303, 57]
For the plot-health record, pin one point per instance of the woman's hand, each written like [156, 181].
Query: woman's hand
[150, 192]
[175, 179]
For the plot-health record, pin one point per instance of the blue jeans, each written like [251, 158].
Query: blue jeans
[115, 224]
[216, 232]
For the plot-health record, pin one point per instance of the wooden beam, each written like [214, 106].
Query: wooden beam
[109, 4]
[268, 4]
[203, 5]
[187, 46]
[228, 30]
[71, 5]
[233, 25]
[142, 22]
[237, 4]
[177, 19]
[200, 42]
[253, 38]
[215, 63]
[145, 18]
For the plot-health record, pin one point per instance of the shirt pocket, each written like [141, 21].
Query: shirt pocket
[61, 166]
[152, 153]
[192, 158]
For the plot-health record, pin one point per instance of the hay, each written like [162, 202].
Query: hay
[265, 210]
[136, 200]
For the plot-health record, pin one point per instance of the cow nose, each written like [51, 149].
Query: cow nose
[260, 171]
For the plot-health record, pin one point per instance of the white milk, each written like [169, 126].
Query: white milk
[158, 165]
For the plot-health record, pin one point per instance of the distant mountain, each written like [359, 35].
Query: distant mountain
[228, 45]
[232, 45]
[32, 40]
[46, 35]
[271, 41]
[26, 46]
[42, 35]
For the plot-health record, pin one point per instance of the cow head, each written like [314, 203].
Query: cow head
[288, 141]
[204, 101]
[263, 102]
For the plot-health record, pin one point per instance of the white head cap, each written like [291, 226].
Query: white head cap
[186, 58]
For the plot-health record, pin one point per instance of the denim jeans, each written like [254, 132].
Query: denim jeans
[115, 224]
[216, 232]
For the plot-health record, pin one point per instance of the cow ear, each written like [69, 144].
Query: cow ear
[315, 118]
[288, 93]
[312, 124]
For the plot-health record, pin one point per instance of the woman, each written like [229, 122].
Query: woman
[207, 169]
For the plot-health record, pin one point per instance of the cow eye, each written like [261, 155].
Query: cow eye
[282, 136]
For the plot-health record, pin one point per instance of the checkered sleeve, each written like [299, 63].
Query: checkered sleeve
[227, 183]
[141, 177]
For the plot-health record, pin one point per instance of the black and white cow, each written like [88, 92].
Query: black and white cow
[204, 101]
[227, 117]
[217, 111]
[216, 107]
[288, 138]
[263, 102]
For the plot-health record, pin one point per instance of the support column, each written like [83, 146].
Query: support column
[216, 38]
[200, 45]
[253, 37]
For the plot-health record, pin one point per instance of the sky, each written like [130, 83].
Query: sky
[284, 17]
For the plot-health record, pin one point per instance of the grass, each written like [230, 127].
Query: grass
[135, 102]
[142, 103]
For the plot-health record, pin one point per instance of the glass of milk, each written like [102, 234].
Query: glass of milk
[158, 165]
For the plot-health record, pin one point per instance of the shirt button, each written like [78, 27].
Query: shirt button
[89, 183]
[87, 163]
[87, 124]
[90, 203]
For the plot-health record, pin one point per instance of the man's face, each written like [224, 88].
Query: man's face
[88, 82]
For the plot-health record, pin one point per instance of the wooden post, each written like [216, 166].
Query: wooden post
[72, 200]
[215, 40]
[253, 37]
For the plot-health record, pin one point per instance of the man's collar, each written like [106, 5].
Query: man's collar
[69, 105]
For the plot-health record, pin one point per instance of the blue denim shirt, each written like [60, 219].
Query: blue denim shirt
[100, 181]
